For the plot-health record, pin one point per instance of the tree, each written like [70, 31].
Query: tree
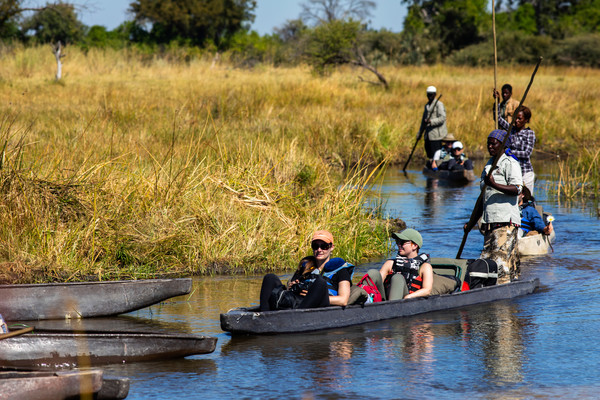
[8, 10]
[322, 11]
[449, 24]
[332, 44]
[197, 21]
[556, 18]
[54, 22]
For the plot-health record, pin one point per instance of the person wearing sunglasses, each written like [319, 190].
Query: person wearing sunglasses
[330, 285]
[409, 274]
[459, 161]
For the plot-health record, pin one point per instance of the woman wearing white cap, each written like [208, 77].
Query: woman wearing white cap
[433, 123]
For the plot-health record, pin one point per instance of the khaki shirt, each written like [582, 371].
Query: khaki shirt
[436, 130]
[497, 206]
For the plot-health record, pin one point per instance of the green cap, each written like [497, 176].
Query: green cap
[409, 234]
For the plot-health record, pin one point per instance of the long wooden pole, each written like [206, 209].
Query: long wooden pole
[495, 64]
[15, 333]
[479, 203]
[421, 133]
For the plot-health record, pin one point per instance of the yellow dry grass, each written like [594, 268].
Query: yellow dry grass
[138, 165]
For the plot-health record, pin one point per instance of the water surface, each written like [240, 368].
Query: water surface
[538, 346]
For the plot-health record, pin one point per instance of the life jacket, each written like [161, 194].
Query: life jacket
[331, 268]
[526, 224]
[409, 268]
[444, 155]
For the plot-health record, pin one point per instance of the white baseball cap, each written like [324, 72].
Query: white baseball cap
[457, 145]
[431, 89]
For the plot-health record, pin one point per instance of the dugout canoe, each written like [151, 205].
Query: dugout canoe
[26, 383]
[50, 385]
[464, 176]
[252, 321]
[535, 245]
[85, 299]
[47, 348]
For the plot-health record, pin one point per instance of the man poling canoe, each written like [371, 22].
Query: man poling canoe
[479, 205]
[426, 117]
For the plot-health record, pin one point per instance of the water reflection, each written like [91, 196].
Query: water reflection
[497, 334]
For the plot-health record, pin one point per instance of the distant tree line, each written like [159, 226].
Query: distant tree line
[330, 32]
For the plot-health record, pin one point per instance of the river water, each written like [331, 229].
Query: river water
[544, 345]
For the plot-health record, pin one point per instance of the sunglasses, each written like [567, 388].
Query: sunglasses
[401, 243]
[320, 245]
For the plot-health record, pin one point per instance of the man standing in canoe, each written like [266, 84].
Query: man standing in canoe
[433, 123]
[500, 212]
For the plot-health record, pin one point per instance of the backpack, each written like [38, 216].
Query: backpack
[369, 286]
[481, 272]
[283, 299]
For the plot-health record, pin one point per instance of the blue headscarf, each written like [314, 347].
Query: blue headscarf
[497, 134]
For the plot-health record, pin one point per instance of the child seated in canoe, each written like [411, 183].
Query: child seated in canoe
[330, 286]
[410, 274]
[532, 222]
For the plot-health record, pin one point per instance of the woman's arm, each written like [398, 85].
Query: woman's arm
[504, 124]
[426, 274]
[522, 144]
[386, 268]
[343, 294]
[512, 190]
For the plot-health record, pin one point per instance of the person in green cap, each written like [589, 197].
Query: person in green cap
[409, 274]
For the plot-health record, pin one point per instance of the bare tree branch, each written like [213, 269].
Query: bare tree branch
[324, 11]
[362, 62]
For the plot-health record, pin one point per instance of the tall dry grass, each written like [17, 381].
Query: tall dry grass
[134, 165]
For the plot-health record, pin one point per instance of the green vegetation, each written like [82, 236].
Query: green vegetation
[330, 33]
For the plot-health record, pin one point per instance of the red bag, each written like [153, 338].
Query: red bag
[369, 286]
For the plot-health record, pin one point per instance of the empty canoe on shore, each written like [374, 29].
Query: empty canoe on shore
[85, 299]
[20, 385]
[47, 348]
[26, 384]
[463, 176]
[252, 321]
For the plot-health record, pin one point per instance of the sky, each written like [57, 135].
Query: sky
[270, 14]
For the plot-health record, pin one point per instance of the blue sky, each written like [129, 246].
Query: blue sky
[270, 14]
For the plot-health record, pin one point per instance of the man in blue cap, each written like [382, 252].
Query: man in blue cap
[500, 214]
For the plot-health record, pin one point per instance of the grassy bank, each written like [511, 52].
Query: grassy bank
[139, 166]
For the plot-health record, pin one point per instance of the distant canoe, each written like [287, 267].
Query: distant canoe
[252, 321]
[535, 245]
[462, 176]
[18, 385]
[83, 349]
[85, 299]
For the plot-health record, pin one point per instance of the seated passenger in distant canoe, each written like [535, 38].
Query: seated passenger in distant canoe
[328, 284]
[410, 274]
[458, 161]
[532, 222]
[443, 154]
